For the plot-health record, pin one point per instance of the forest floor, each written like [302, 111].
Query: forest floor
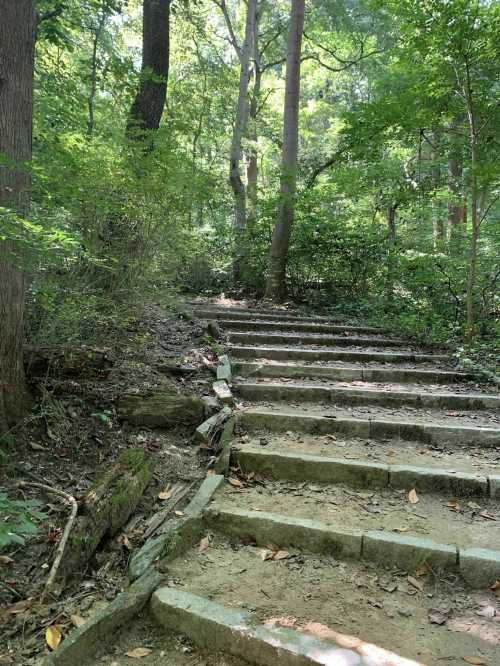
[422, 611]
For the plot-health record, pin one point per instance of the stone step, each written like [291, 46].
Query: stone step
[245, 315]
[278, 420]
[263, 325]
[359, 396]
[353, 373]
[295, 353]
[480, 567]
[362, 473]
[217, 628]
[322, 340]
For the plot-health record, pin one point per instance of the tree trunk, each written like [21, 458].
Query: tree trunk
[276, 275]
[240, 125]
[438, 223]
[17, 52]
[457, 207]
[148, 105]
[252, 165]
[101, 22]
[391, 238]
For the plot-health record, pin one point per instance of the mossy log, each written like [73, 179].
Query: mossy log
[67, 361]
[106, 507]
[161, 410]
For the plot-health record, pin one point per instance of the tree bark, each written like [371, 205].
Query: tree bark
[147, 107]
[239, 129]
[276, 275]
[17, 52]
[456, 208]
[438, 223]
[252, 164]
[101, 22]
[392, 239]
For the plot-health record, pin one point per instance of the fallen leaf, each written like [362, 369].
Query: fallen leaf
[235, 482]
[204, 544]
[138, 653]
[124, 540]
[265, 554]
[416, 583]
[487, 611]
[422, 570]
[496, 588]
[5, 559]
[401, 529]
[53, 636]
[412, 496]
[178, 513]
[77, 620]
[453, 505]
[37, 447]
[477, 661]
[165, 494]
[281, 555]
[437, 616]
[488, 516]
[473, 505]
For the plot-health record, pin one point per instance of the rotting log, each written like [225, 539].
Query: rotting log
[106, 507]
[81, 361]
[161, 410]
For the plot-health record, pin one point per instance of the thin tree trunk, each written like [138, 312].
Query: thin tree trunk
[147, 107]
[93, 71]
[239, 129]
[456, 208]
[391, 237]
[17, 53]
[438, 222]
[253, 165]
[276, 275]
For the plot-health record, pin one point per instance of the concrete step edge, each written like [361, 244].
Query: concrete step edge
[304, 339]
[356, 395]
[362, 474]
[297, 326]
[217, 628]
[281, 353]
[249, 369]
[280, 421]
[479, 567]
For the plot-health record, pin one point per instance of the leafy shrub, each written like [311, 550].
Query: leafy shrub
[17, 519]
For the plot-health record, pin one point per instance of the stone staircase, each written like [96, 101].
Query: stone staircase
[360, 521]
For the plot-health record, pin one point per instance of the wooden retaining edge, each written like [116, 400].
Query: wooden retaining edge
[281, 421]
[360, 473]
[479, 567]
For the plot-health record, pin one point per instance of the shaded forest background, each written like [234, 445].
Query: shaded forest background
[396, 210]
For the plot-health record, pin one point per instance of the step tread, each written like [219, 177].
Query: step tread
[375, 603]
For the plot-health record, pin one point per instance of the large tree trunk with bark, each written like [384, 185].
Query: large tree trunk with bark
[17, 48]
[147, 107]
[239, 129]
[276, 275]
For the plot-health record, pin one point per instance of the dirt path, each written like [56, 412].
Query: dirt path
[379, 521]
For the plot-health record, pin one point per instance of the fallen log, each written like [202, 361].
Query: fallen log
[106, 507]
[161, 410]
[67, 361]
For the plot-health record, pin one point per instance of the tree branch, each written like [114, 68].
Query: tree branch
[221, 4]
[50, 15]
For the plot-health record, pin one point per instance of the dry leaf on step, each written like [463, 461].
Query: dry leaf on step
[235, 482]
[416, 583]
[281, 555]
[488, 516]
[412, 496]
[204, 544]
[165, 494]
[401, 529]
[265, 554]
[422, 570]
[77, 620]
[53, 636]
[453, 505]
[139, 653]
[496, 588]
[477, 661]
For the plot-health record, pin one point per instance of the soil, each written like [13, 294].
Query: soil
[73, 435]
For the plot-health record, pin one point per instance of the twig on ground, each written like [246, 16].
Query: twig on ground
[65, 535]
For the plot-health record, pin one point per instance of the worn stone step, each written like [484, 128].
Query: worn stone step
[323, 340]
[279, 420]
[212, 626]
[363, 473]
[298, 326]
[246, 315]
[479, 566]
[353, 373]
[360, 396]
[295, 353]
